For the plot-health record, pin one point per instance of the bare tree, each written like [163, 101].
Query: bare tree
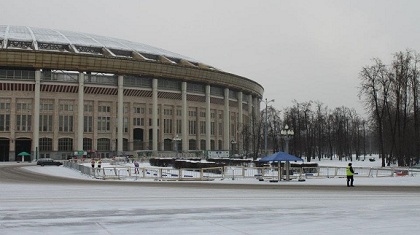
[374, 89]
[402, 111]
[414, 82]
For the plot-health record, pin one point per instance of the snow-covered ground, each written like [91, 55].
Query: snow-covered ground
[359, 181]
[144, 209]
[396, 181]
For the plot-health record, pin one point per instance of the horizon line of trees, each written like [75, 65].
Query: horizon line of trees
[318, 132]
[390, 94]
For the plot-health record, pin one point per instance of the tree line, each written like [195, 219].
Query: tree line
[391, 128]
[318, 132]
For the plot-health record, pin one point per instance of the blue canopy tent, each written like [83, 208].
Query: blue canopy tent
[281, 157]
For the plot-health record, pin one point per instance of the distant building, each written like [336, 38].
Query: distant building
[63, 93]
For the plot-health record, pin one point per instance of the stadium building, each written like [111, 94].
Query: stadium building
[64, 93]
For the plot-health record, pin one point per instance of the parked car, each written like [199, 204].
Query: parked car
[48, 162]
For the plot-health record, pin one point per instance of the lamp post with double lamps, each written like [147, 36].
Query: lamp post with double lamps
[266, 124]
[287, 134]
[176, 139]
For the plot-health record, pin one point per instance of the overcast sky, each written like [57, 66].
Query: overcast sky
[297, 50]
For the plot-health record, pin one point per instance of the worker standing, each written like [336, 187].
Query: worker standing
[350, 173]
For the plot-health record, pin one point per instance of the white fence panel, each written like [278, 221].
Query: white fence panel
[261, 173]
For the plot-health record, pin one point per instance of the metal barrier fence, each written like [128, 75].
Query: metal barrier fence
[332, 172]
[238, 172]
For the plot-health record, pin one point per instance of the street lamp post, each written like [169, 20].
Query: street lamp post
[266, 124]
[176, 139]
[287, 134]
[233, 142]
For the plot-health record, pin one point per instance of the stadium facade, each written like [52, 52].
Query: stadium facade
[64, 93]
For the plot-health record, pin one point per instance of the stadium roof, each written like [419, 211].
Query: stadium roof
[48, 48]
[32, 38]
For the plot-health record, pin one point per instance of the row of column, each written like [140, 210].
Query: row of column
[120, 115]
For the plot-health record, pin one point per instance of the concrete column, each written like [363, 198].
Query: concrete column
[184, 118]
[120, 114]
[12, 129]
[197, 128]
[155, 116]
[37, 101]
[239, 139]
[114, 125]
[95, 125]
[147, 127]
[257, 103]
[208, 116]
[226, 122]
[80, 110]
[161, 146]
[130, 127]
[56, 123]
[250, 107]
[250, 118]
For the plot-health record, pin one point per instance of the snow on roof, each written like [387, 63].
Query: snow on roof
[22, 36]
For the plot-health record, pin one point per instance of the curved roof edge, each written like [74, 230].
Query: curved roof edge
[13, 38]
[42, 39]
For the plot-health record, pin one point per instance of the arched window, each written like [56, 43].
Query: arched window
[192, 144]
[202, 144]
[65, 144]
[104, 144]
[87, 144]
[167, 144]
[138, 139]
[125, 144]
[45, 144]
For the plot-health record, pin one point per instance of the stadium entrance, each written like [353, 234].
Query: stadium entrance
[4, 150]
[23, 145]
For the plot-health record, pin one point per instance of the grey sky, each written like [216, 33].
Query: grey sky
[303, 50]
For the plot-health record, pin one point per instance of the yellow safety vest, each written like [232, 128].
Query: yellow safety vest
[348, 172]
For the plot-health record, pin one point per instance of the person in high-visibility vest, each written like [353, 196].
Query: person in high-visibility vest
[350, 173]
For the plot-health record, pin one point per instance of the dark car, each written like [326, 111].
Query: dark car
[48, 162]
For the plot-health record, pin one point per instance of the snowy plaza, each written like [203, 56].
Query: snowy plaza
[377, 205]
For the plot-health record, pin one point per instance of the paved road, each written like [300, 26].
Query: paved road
[14, 173]
[32, 203]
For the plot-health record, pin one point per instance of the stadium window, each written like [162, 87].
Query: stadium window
[4, 122]
[65, 123]
[87, 123]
